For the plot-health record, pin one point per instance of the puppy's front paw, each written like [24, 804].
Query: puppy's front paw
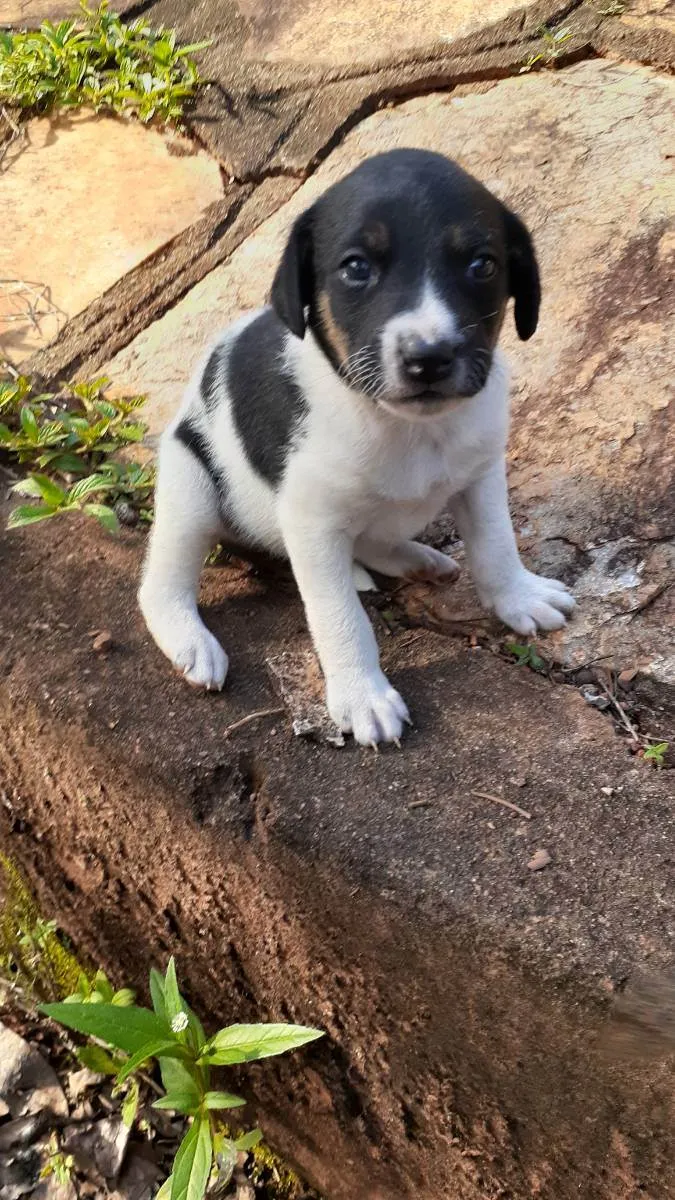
[532, 603]
[430, 565]
[186, 641]
[367, 706]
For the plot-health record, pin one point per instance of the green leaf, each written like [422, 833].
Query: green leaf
[128, 1029]
[157, 993]
[152, 1049]
[223, 1100]
[172, 998]
[164, 1192]
[97, 1059]
[29, 514]
[107, 516]
[185, 1100]
[103, 985]
[193, 1162]
[244, 1043]
[176, 1077]
[27, 487]
[29, 423]
[41, 485]
[130, 1106]
[248, 1140]
[123, 998]
[85, 487]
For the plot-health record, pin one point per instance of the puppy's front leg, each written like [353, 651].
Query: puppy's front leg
[359, 696]
[520, 598]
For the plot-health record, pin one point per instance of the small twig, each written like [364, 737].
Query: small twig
[150, 1082]
[522, 812]
[625, 719]
[421, 804]
[584, 666]
[649, 601]
[254, 716]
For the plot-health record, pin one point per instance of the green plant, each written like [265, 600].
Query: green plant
[98, 61]
[526, 655]
[553, 43]
[172, 1034]
[58, 1164]
[33, 958]
[70, 438]
[657, 753]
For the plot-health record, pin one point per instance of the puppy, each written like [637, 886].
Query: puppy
[334, 425]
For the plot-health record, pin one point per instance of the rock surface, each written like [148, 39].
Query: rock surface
[313, 31]
[592, 462]
[77, 200]
[28, 1084]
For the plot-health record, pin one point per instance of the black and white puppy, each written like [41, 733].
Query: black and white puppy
[334, 425]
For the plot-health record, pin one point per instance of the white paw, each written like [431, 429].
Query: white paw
[367, 706]
[532, 603]
[193, 650]
[363, 582]
[430, 565]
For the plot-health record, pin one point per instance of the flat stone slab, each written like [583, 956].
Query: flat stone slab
[30, 13]
[592, 459]
[86, 199]
[357, 33]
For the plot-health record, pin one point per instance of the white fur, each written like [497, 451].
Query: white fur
[361, 481]
[431, 320]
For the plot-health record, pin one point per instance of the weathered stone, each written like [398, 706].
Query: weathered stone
[27, 1082]
[147, 292]
[82, 212]
[349, 33]
[30, 13]
[591, 458]
[374, 896]
[100, 1146]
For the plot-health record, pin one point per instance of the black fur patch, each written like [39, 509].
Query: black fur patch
[193, 439]
[210, 379]
[267, 404]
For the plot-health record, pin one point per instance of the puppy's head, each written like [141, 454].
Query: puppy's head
[403, 271]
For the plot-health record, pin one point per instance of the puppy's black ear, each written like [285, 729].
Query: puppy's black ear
[524, 283]
[294, 281]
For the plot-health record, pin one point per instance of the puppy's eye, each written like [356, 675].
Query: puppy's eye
[483, 266]
[356, 270]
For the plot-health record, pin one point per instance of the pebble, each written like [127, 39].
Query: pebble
[539, 860]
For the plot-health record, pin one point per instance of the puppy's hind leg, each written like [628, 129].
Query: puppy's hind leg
[407, 560]
[187, 523]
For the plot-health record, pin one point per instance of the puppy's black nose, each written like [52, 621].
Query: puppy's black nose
[426, 362]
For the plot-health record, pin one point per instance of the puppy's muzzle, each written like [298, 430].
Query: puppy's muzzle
[424, 362]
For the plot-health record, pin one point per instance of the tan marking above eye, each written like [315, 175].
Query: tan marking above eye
[459, 238]
[335, 335]
[376, 237]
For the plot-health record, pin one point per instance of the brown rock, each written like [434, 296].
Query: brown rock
[74, 239]
[539, 860]
[27, 1082]
[103, 642]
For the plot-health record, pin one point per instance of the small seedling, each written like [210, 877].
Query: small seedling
[172, 1034]
[526, 655]
[58, 1164]
[70, 438]
[656, 754]
[98, 61]
[553, 43]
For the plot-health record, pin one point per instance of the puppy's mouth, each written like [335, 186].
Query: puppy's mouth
[469, 376]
